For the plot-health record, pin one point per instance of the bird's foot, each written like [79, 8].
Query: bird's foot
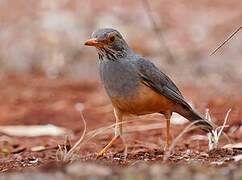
[104, 150]
[113, 141]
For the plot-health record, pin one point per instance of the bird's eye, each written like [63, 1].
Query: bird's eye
[112, 38]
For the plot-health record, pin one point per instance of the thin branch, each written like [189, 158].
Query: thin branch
[226, 40]
[158, 30]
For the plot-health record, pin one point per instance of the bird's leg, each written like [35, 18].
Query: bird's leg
[168, 135]
[118, 132]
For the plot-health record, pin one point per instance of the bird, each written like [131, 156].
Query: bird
[136, 86]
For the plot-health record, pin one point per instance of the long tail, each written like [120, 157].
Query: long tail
[193, 116]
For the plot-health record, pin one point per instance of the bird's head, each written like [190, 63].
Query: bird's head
[109, 43]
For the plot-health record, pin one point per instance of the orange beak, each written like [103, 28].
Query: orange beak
[92, 42]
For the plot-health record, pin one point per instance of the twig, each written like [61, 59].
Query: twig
[226, 40]
[157, 29]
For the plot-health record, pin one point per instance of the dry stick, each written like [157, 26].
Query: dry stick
[77, 144]
[158, 30]
[226, 40]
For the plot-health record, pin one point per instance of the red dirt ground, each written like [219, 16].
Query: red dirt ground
[34, 99]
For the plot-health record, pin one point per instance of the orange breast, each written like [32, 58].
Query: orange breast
[145, 101]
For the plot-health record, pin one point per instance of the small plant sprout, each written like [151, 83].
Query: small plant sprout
[214, 136]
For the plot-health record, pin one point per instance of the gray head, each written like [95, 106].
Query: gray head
[109, 44]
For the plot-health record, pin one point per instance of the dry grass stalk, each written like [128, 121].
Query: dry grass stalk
[226, 40]
[65, 154]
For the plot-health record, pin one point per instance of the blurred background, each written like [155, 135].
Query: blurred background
[47, 37]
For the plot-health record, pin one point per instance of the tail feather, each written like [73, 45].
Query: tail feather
[193, 116]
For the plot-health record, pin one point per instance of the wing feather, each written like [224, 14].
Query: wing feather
[152, 77]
